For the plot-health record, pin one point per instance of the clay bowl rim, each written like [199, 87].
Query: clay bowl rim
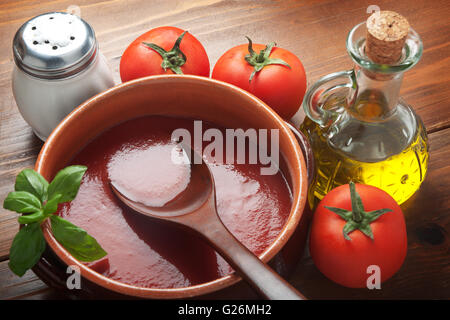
[200, 289]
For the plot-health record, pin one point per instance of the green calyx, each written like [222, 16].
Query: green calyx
[172, 59]
[358, 218]
[261, 59]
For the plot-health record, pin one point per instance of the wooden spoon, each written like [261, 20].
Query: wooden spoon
[195, 208]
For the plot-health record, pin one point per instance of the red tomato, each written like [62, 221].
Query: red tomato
[280, 87]
[345, 261]
[139, 60]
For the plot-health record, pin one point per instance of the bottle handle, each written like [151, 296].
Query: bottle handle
[321, 90]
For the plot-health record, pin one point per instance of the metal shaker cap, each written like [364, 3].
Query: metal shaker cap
[54, 45]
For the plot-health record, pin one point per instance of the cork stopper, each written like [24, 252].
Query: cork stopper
[386, 36]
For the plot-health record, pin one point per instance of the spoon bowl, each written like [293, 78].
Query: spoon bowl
[199, 190]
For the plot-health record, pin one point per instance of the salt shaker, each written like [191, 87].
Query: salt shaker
[57, 67]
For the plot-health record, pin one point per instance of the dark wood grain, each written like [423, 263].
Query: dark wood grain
[27, 287]
[316, 32]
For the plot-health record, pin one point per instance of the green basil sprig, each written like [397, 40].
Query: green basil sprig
[38, 200]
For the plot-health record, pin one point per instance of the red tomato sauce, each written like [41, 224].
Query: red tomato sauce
[148, 253]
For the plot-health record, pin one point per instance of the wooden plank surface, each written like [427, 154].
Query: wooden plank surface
[27, 287]
[313, 30]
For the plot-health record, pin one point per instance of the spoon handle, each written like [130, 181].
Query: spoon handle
[259, 275]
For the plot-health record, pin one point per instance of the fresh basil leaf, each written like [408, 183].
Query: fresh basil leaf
[30, 218]
[26, 248]
[22, 202]
[66, 183]
[52, 205]
[76, 240]
[30, 181]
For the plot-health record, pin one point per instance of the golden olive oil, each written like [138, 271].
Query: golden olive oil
[386, 154]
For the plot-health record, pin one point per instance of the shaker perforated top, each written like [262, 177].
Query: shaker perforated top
[54, 45]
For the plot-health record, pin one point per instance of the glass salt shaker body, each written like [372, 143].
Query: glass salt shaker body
[57, 67]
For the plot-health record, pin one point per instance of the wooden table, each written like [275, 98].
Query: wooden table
[316, 32]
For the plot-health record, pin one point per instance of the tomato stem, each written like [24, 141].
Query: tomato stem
[357, 218]
[262, 59]
[172, 59]
[357, 206]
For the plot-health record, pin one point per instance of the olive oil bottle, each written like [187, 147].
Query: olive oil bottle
[359, 128]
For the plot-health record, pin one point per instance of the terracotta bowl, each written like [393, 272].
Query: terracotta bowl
[180, 96]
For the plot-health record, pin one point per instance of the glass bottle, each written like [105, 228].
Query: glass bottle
[359, 128]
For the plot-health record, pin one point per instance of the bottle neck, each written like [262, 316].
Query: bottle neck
[377, 95]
